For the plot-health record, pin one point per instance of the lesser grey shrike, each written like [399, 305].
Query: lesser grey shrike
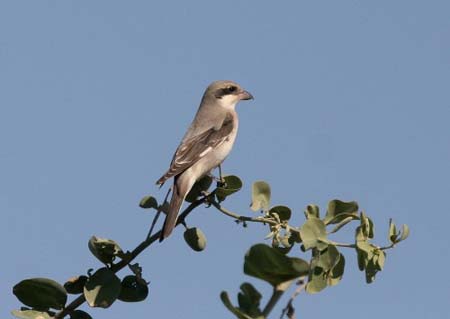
[205, 145]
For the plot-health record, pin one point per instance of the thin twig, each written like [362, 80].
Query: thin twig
[388, 247]
[278, 291]
[354, 246]
[343, 245]
[155, 219]
[301, 285]
[242, 218]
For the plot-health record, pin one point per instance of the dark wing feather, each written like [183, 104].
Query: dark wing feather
[193, 149]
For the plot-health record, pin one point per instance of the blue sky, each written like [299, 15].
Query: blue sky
[351, 102]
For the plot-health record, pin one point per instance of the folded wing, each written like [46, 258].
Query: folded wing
[196, 147]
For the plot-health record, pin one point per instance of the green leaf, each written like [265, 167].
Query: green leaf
[133, 289]
[232, 184]
[284, 212]
[363, 256]
[366, 226]
[317, 281]
[79, 314]
[392, 232]
[260, 196]
[75, 285]
[104, 249]
[328, 258]
[41, 293]
[31, 314]
[337, 272]
[267, 263]
[195, 238]
[370, 258]
[299, 265]
[314, 234]
[381, 259]
[236, 311]
[249, 299]
[102, 288]
[405, 232]
[338, 210]
[359, 234]
[200, 186]
[362, 261]
[366, 248]
[312, 211]
[148, 202]
[371, 271]
[295, 237]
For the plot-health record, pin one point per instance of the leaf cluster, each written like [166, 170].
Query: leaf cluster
[299, 253]
[100, 288]
[280, 266]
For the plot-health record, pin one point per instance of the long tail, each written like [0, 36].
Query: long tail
[174, 207]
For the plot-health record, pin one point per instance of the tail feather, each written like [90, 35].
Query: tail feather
[174, 207]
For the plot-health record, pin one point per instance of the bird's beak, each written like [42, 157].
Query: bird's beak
[244, 95]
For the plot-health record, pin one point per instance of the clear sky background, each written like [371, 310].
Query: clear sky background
[352, 101]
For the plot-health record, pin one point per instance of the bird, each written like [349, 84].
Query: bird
[207, 142]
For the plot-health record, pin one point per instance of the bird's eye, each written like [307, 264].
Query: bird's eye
[232, 89]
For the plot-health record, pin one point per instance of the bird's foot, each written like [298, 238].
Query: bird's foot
[220, 181]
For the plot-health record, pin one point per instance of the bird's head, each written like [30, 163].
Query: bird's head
[227, 93]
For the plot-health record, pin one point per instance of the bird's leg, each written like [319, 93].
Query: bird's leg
[220, 181]
[220, 174]
[215, 178]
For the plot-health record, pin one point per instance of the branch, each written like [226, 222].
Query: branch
[388, 247]
[343, 245]
[301, 285]
[278, 291]
[131, 256]
[354, 246]
[247, 218]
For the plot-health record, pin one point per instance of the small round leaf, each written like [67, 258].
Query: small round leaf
[234, 310]
[102, 288]
[249, 299]
[232, 184]
[328, 258]
[148, 202]
[338, 210]
[31, 314]
[393, 234]
[381, 259]
[75, 285]
[104, 249]
[284, 212]
[337, 272]
[317, 281]
[133, 289]
[314, 234]
[405, 232]
[41, 293]
[312, 211]
[269, 264]
[195, 238]
[260, 196]
[80, 314]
